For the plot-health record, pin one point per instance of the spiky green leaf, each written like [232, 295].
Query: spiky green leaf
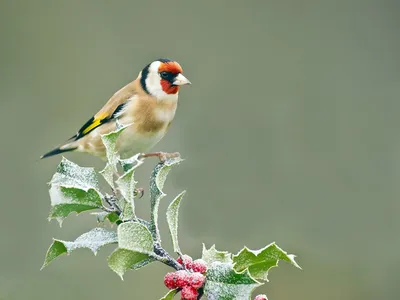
[93, 240]
[121, 260]
[157, 180]
[108, 174]
[224, 283]
[259, 262]
[110, 143]
[213, 255]
[172, 219]
[65, 200]
[135, 237]
[102, 216]
[73, 189]
[127, 185]
[170, 295]
[71, 175]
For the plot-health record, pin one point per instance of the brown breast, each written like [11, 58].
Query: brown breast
[152, 115]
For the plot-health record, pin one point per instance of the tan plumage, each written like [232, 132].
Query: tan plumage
[147, 104]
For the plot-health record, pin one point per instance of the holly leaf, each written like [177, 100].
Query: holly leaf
[65, 200]
[93, 240]
[213, 255]
[110, 143]
[102, 216]
[69, 174]
[73, 189]
[108, 174]
[224, 283]
[135, 248]
[135, 237]
[122, 260]
[259, 262]
[127, 184]
[157, 180]
[172, 219]
[170, 295]
[131, 162]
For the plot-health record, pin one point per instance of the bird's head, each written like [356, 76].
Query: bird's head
[162, 78]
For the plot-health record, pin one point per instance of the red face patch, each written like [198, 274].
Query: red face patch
[168, 87]
[171, 66]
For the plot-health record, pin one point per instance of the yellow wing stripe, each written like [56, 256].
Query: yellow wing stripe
[93, 123]
[92, 126]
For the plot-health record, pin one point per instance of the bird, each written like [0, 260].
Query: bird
[146, 106]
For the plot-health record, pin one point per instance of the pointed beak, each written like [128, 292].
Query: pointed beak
[181, 80]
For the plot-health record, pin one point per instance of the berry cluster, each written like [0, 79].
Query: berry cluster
[188, 280]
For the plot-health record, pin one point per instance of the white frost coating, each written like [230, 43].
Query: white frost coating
[57, 197]
[126, 183]
[61, 195]
[157, 181]
[110, 141]
[259, 262]
[224, 283]
[108, 174]
[71, 175]
[122, 260]
[172, 219]
[135, 237]
[213, 255]
[93, 240]
[276, 253]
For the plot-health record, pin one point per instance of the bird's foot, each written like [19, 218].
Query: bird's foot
[139, 192]
[163, 156]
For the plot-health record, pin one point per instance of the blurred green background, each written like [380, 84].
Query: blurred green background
[290, 131]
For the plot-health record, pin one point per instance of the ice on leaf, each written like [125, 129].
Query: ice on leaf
[259, 262]
[121, 260]
[157, 180]
[172, 219]
[223, 282]
[71, 175]
[213, 255]
[93, 240]
[108, 174]
[127, 184]
[102, 216]
[65, 200]
[135, 248]
[135, 237]
[73, 189]
[110, 143]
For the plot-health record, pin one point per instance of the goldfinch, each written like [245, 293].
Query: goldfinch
[147, 105]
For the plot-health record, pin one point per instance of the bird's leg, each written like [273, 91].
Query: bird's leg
[163, 156]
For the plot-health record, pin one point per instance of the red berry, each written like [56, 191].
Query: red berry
[185, 260]
[196, 280]
[169, 280]
[261, 297]
[189, 293]
[181, 278]
[199, 265]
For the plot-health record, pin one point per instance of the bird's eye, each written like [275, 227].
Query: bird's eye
[164, 75]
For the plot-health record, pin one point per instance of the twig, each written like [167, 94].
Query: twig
[168, 260]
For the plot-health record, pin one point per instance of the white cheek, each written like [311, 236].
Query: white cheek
[153, 84]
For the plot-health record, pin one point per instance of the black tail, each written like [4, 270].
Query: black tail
[56, 151]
